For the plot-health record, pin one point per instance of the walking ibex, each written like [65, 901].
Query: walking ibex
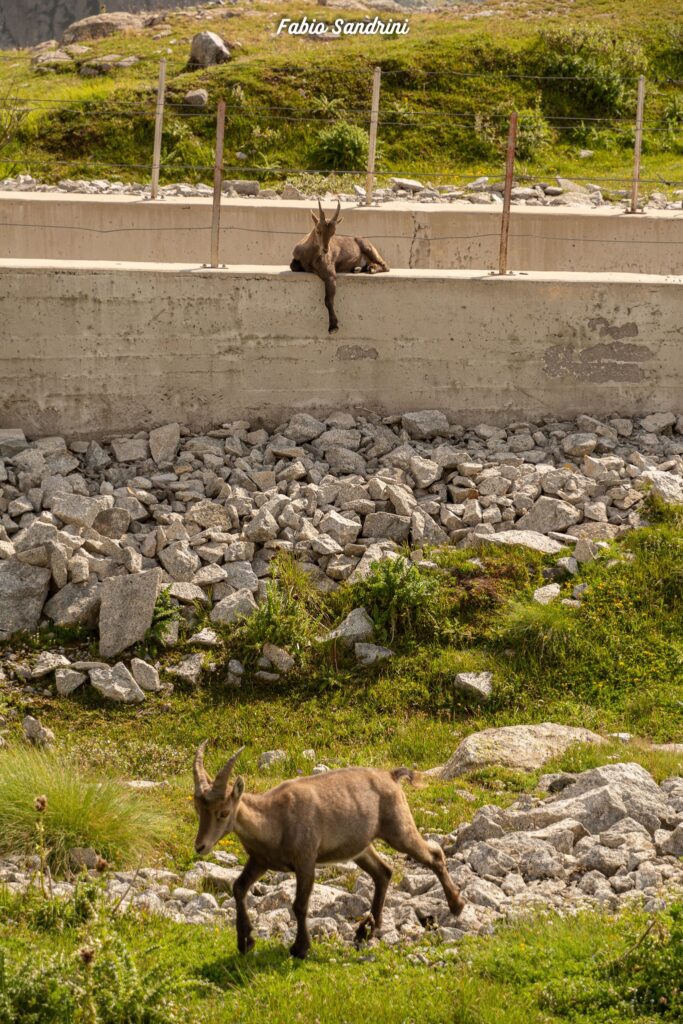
[326, 254]
[319, 819]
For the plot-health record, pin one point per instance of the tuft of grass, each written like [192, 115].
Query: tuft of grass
[120, 825]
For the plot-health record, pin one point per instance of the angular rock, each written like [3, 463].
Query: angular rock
[531, 539]
[116, 684]
[206, 49]
[164, 441]
[145, 675]
[37, 734]
[67, 681]
[549, 514]
[47, 662]
[370, 654]
[357, 627]
[478, 685]
[23, 589]
[77, 604]
[426, 424]
[127, 610]
[235, 606]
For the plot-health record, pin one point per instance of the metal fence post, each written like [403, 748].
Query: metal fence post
[638, 145]
[217, 185]
[158, 129]
[372, 148]
[509, 173]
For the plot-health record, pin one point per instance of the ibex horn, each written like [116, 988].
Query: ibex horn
[221, 781]
[322, 212]
[336, 216]
[201, 779]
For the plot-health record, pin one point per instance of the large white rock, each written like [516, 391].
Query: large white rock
[235, 606]
[357, 627]
[527, 539]
[549, 514]
[524, 747]
[665, 485]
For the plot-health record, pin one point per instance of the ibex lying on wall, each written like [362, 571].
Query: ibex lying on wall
[319, 819]
[326, 254]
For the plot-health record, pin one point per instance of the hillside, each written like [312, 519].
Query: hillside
[27, 22]
[300, 104]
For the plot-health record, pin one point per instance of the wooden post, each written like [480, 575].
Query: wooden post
[217, 184]
[638, 144]
[158, 129]
[509, 172]
[374, 116]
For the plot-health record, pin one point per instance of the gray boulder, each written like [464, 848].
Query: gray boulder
[23, 589]
[524, 747]
[235, 606]
[207, 48]
[357, 627]
[77, 604]
[477, 685]
[127, 610]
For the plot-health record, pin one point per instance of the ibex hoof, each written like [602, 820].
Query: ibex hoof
[246, 945]
[333, 328]
[299, 952]
[365, 930]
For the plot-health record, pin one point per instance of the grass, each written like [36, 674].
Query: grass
[79, 812]
[447, 90]
[591, 969]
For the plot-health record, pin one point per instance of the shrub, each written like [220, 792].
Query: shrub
[341, 147]
[601, 67]
[402, 600]
[118, 823]
[533, 133]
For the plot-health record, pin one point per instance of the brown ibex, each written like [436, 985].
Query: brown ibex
[327, 254]
[319, 819]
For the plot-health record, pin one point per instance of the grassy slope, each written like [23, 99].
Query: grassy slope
[110, 119]
[582, 970]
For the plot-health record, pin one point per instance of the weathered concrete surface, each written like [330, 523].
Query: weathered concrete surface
[409, 234]
[105, 348]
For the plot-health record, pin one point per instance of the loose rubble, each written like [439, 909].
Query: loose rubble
[607, 838]
[480, 192]
[91, 531]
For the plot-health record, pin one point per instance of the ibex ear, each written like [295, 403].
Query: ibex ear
[238, 788]
[339, 220]
[315, 219]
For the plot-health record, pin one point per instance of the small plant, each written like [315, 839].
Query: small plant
[341, 147]
[533, 134]
[535, 631]
[165, 614]
[77, 812]
[326, 107]
[402, 600]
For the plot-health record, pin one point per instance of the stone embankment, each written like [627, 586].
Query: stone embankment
[563, 192]
[607, 838]
[91, 533]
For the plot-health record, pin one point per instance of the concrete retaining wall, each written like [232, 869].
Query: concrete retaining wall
[103, 349]
[415, 235]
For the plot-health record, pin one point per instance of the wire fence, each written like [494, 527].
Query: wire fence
[379, 116]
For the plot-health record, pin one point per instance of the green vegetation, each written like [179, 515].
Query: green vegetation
[447, 90]
[48, 806]
[80, 964]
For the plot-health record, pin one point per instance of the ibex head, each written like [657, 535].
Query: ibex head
[325, 229]
[215, 801]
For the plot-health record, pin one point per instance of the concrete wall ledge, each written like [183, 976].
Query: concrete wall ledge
[104, 348]
[409, 234]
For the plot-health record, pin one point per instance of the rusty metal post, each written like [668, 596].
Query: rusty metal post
[217, 184]
[509, 173]
[638, 145]
[372, 148]
[158, 129]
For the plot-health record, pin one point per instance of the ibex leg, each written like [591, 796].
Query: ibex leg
[252, 872]
[305, 877]
[380, 872]
[330, 292]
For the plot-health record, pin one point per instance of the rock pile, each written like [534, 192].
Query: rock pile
[607, 837]
[482, 193]
[91, 532]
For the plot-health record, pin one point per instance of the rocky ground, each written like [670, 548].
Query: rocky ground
[92, 532]
[482, 191]
[607, 837]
